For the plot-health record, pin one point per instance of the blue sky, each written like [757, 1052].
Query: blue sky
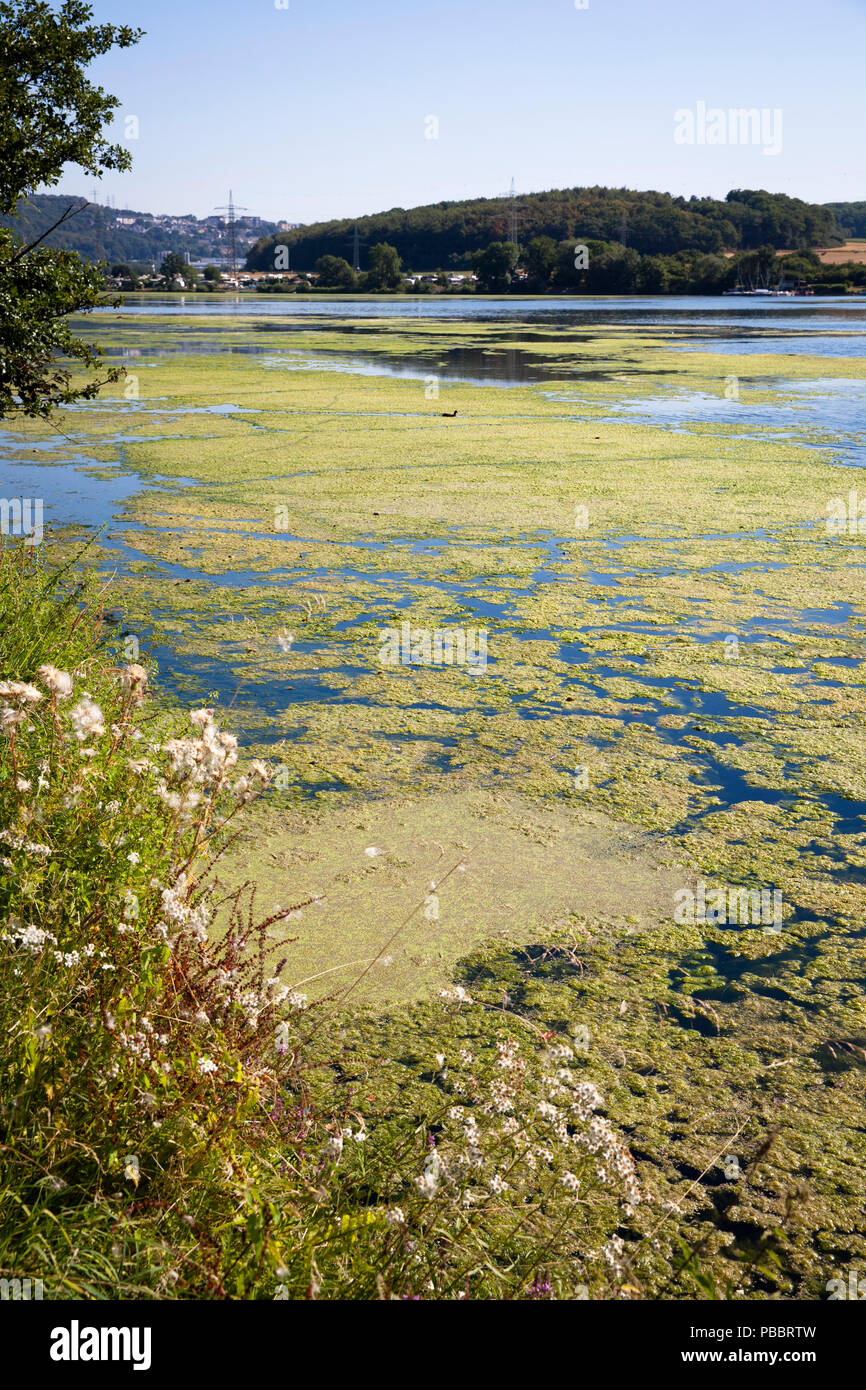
[321, 109]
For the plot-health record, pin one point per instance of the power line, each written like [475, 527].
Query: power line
[231, 208]
[356, 249]
[515, 212]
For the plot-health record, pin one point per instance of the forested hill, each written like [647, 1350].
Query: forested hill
[445, 235]
[850, 218]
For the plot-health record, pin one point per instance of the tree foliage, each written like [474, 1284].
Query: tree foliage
[495, 265]
[50, 115]
[335, 272]
[384, 271]
[447, 235]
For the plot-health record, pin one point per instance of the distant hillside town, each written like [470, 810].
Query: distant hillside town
[99, 232]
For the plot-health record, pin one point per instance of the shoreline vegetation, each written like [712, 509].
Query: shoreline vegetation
[177, 1122]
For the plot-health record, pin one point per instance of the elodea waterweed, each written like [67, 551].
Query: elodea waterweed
[175, 1118]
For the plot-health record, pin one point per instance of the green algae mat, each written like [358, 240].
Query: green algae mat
[563, 700]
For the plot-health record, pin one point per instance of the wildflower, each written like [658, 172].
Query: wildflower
[22, 785]
[87, 719]
[281, 1039]
[570, 1181]
[439, 1059]
[19, 842]
[34, 938]
[612, 1253]
[133, 678]
[58, 682]
[261, 770]
[206, 1066]
[201, 717]
[10, 718]
[297, 1001]
[131, 1170]
[276, 991]
[498, 1184]
[395, 1217]
[428, 1181]
[242, 790]
[334, 1148]
[456, 994]
[201, 1019]
[133, 858]
[586, 1099]
[20, 692]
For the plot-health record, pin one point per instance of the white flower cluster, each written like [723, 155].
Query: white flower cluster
[58, 682]
[16, 695]
[20, 842]
[34, 938]
[601, 1141]
[87, 720]
[492, 1140]
[194, 920]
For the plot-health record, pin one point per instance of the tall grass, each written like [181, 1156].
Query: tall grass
[175, 1120]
